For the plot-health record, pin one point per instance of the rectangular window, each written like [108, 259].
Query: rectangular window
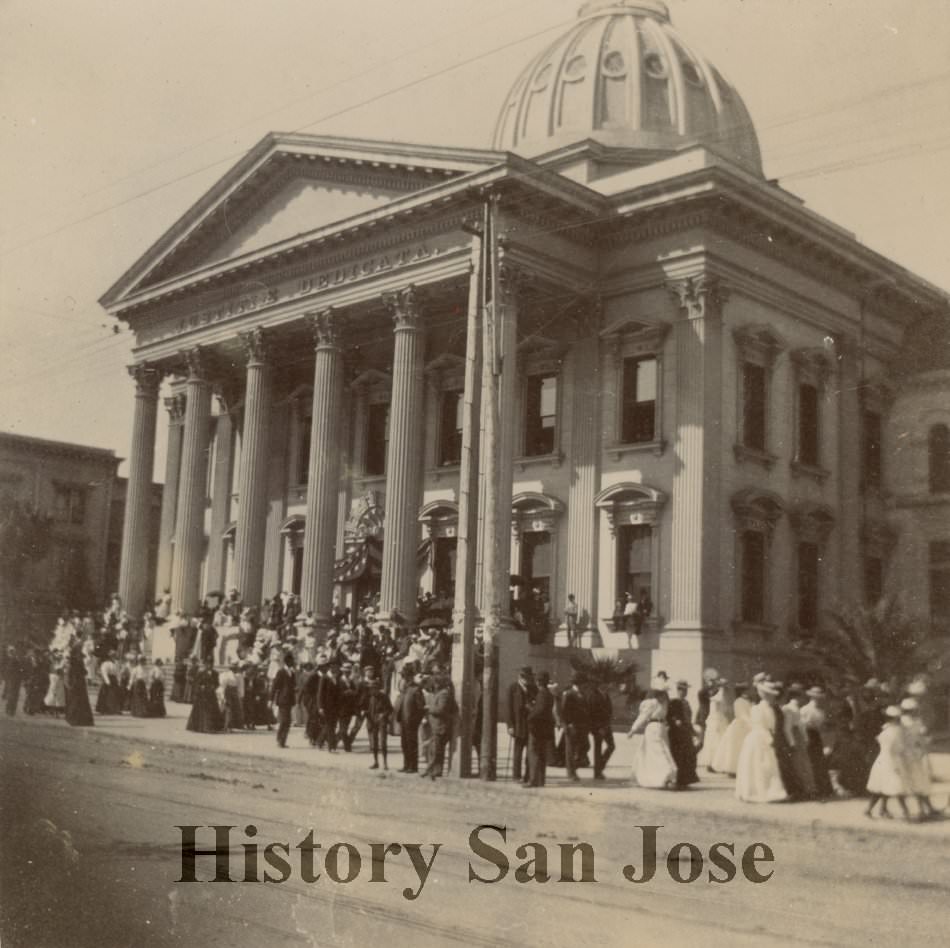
[753, 406]
[638, 421]
[536, 562]
[443, 566]
[540, 415]
[634, 561]
[753, 577]
[377, 438]
[809, 560]
[940, 586]
[450, 428]
[296, 578]
[69, 504]
[871, 448]
[873, 580]
[808, 433]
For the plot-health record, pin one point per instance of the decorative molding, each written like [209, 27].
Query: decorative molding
[812, 365]
[763, 458]
[405, 307]
[630, 503]
[812, 522]
[757, 509]
[617, 451]
[326, 327]
[256, 345]
[175, 406]
[759, 343]
[817, 474]
[529, 460]
[699, 296]
[532, 512]
[196, 362]
[147, 380]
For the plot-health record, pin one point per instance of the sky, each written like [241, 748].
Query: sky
[116, 115]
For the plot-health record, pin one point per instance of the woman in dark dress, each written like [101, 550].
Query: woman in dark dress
[138, 699]
[178, 682]
[37, 682]
[206, 717]
[78, 709]
[156, 690]
[191, 673]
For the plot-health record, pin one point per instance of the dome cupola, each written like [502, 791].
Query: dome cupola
[622, 76]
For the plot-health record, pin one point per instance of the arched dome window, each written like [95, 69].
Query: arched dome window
[938, 444]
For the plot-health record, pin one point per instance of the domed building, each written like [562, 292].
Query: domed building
[604, 358]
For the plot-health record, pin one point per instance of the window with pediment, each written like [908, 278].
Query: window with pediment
[632, 512]
[811, 369]
[757, 348]
[812, 524]
[756, 512]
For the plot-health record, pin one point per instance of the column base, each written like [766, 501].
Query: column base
[686, 650]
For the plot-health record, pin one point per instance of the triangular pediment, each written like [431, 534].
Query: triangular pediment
[298, 206]
[286, 187]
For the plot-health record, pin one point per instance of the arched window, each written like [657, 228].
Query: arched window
[938, 443]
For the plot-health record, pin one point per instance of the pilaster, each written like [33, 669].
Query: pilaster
[175, 405]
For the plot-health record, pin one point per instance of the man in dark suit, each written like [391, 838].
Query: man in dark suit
[412, 709]
[679, 718]
[520, 696]
[575, 716]
[601, 721]
[283, 696]
[540, 731]
[441, 720]
[328, 705]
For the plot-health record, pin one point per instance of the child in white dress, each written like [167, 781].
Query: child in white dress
[916, 760]
[888, 777]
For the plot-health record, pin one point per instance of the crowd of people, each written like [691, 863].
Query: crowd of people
[240, 667]
[783, 743]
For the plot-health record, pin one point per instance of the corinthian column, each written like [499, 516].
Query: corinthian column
[252, 475]
[133, 568]
[403, 461]
[695, 575]
[323, 481]
[175, 405]
[189, 523]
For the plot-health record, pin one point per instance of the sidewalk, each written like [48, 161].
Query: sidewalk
[714, 795]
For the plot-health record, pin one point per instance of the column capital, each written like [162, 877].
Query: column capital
[147, 380]
[326, 327]
[196, 362]
[699, 296]
[256, 345]
[405, 307]
[175, 406]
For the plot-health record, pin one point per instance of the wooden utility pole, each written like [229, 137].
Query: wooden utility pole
[493, 360]
[464, 611]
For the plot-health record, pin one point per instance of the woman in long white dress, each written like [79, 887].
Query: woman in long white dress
[758, 779]
[720, 716]
[653, 764]
[889, 778]
[726, 758]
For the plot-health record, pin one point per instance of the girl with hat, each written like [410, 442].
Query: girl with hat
[758, 779]
[916, 760]
[717, 721]
[888, 777]
[726, 758]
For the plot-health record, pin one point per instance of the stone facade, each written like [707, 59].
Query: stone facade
[686, 362]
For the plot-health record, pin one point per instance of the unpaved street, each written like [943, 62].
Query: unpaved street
[91, 855]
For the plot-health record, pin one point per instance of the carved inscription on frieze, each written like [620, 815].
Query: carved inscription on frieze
[293, 289]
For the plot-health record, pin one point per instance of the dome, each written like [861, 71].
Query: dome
[622, 76]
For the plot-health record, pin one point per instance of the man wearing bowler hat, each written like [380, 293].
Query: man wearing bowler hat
[520, 696]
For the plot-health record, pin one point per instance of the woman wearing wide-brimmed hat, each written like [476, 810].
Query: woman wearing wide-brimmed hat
[758, 779]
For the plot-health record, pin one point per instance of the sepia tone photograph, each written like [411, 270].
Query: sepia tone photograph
[474, 473]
